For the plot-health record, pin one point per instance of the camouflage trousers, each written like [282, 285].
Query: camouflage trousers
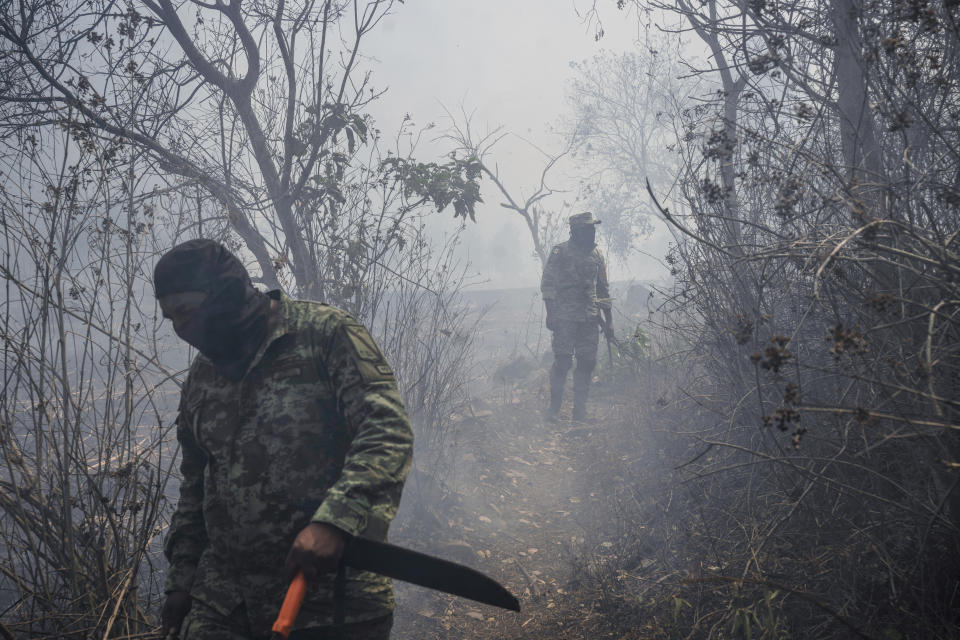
[577, 338]
[580, 339]
[204, 623]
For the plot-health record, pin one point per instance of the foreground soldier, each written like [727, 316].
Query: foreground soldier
[293, 438]
[575, 291]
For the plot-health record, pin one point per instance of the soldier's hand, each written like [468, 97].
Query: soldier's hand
[317, 550]
[175, 609]
[550, 305]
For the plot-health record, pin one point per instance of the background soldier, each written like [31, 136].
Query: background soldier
[575, 291]
[293, 438]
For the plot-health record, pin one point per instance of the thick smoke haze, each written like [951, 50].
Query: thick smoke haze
[763, 445]
[508, 64]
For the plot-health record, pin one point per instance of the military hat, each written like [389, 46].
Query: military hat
[584, 219]
[197, 265]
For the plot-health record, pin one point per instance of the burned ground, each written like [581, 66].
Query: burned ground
[552, 510]
[649, 521]
[531, 503]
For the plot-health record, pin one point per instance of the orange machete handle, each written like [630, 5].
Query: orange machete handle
[291, 605]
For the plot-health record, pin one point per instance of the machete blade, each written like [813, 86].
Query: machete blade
[427, 571]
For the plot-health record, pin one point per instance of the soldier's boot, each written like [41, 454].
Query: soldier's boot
[558, 378]
[582, 376]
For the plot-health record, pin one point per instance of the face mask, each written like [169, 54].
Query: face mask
[183, 310]
[584, 236]
[230, 327]
[231, 323]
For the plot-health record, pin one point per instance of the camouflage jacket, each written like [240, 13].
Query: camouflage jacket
[575, 279]
[315, 431]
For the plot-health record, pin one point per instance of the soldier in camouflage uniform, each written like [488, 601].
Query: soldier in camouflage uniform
[293, 439]
[575, 292]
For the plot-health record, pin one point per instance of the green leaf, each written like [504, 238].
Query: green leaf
[350, 140]
[360, 127]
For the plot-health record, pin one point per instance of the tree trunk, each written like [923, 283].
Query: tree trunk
[862, 156]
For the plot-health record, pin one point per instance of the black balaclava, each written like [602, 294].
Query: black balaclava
[584, 235]
[232, 322]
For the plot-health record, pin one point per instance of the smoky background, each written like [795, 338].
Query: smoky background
[772, 447]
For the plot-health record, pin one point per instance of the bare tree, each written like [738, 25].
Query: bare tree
[261, 105]
[623, 110]
[128, 127]
[542, 219]
[83, 418]
[817, 256]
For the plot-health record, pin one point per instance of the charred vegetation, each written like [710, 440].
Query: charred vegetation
[772, 449]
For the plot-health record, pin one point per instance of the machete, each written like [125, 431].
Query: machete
[427, 571]
[409, 566]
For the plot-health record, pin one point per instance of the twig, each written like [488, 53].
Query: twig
[669, 218]
[530, 583]
[775, 585]
[116, 608]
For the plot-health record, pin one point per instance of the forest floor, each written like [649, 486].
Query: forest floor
[530, 503]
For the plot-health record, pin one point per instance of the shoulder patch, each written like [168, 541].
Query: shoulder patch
[362, 342]
[370, 361]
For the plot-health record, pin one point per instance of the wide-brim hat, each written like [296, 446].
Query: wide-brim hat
[584, 219]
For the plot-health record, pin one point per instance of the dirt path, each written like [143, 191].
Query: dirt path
[522, 510]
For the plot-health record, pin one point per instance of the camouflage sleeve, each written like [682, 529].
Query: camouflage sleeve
[366, 496]
[603, 287]
[548, 282]
[187, 536]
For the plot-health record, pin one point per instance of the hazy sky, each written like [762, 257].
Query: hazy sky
[508, 61]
